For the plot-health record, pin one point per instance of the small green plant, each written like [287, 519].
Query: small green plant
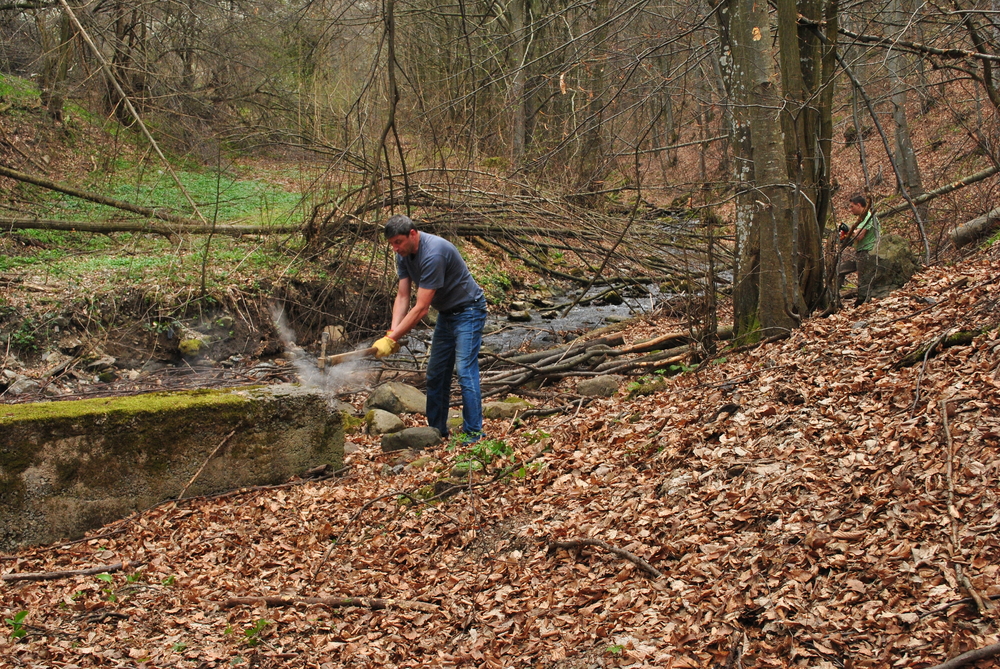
[179, 647]
[24, 336]
[483, 452]
[17, 624]
[495, 282]
[537, 436]
[616, 649]
[109, 592]
[252, 634]
[134, 577]
[169, 580]
[161, 327]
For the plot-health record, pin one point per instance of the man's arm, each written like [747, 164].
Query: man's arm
[403, 317]
[402, 302]
[856, 231]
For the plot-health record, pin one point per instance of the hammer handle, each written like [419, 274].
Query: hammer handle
[351, 355]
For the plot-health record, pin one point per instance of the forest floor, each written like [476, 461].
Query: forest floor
[829, 500]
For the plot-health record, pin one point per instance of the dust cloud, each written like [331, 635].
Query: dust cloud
[340, 378]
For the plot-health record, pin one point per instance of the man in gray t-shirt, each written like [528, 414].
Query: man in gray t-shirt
[435, 268]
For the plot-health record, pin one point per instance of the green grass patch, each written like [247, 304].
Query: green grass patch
[222, 198]
[12, 87]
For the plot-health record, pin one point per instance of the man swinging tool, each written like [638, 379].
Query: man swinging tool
[435, 268]
[865, 235]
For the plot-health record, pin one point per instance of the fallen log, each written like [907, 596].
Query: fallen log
[654, 344]
[94, 197]
[926, 351]
[374, 604]
[975, 229]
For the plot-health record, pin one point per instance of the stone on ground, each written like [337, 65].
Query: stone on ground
[414, 438]
[504, 409]
[599, 386]
[397, 398]
[380, 421]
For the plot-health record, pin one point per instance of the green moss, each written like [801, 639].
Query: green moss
[643, 389]
[118, 408]
[190, 347]
[352, 423]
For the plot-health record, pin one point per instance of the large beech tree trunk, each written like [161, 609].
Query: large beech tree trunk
[766, 296]
[807, 70]
[781, 136]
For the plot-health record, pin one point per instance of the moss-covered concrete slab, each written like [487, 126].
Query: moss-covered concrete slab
[66, 467]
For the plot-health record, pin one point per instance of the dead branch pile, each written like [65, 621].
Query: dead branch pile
[593, 357]
[548, 233]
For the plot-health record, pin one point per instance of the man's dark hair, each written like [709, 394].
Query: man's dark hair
[859, 199]
[398, 225]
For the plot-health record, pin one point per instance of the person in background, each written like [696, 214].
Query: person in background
[865, 235]
[434, 267]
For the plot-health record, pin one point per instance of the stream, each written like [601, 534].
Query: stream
[548, 327]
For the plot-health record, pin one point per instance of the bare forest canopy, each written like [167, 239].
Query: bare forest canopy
[647, 139]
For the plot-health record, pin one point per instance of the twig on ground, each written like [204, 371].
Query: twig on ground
[55, 575]
[961, 602]
[620, 552]
[920, 377]
[970, 657]
[205, 464]
[333, 602]
[735, 656]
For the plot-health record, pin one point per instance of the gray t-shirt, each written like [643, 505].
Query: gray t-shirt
[437, 265]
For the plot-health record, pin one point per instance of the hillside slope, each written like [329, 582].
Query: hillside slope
[805, 503]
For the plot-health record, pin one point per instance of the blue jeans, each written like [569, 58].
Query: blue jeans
[457, 338]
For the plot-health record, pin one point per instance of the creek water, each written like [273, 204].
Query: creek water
[548, 326]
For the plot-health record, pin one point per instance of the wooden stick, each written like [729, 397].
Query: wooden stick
[332, 360]
[653, 344]
[620, 552]
[333, 602]
[54, 575]
[205, 464]
[970, 657]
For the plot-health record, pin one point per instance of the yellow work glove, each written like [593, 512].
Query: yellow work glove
[385, 346]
